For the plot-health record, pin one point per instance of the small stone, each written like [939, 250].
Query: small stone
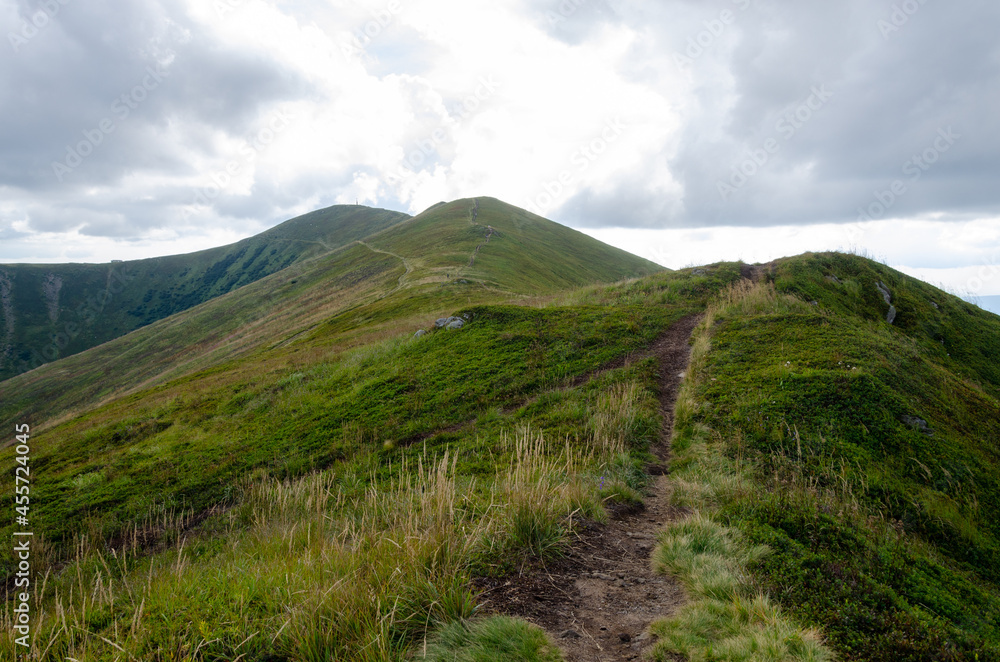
[621, 584]
[455, 324]
[918, 424]
[420, 334]
[640, 580]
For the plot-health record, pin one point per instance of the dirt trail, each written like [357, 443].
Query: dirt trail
[598, 601]
[406, 265]
[489, 233]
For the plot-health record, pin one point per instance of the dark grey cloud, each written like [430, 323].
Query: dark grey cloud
[571, 21]
[893, 84]
[837, 102]
[101, 87]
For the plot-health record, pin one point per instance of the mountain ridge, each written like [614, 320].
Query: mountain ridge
[326, 290]
[834, 460]
[51, 311]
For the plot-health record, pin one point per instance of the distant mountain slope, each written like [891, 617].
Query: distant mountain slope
[416, 270]
[50, 311]
[498, 245]
[217, 331]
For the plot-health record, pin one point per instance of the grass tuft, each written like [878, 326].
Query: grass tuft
[490, 640]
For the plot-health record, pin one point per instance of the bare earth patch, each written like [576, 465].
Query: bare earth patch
[598, 600]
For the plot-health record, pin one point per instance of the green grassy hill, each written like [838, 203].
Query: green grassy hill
[51, 311]
[400, 276]
[488, 242]
[862, 454]
[286, 473]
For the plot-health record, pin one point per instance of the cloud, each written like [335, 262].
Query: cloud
[735, 113]
[107, 96]
[890, 95]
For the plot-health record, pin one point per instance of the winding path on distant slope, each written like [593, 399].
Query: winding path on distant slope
[597, 602]
[489, 232]
[406, 264]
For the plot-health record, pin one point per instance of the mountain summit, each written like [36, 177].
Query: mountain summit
[57, 310]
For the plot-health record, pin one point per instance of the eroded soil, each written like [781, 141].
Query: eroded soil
[598, 600]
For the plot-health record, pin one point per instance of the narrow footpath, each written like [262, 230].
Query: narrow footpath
[598, 601]
[489, 233]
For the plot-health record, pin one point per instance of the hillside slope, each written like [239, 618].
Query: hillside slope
[486, 241]
[406, 274]
[862, 453]
[294, 472]
[50, 311]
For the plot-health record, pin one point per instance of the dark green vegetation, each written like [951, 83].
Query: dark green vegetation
[395, 278]
[182, 446]
[328, 394]
[285, 473]
[870, 455]
[50, 311]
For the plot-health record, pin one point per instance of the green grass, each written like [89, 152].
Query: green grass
[798, 435]
[90, 304]
[312, 482]
[525, 254]
[184, 443]
[949, 331]
[329, 286]
[488, 640]
[361, 561]
[727, 616]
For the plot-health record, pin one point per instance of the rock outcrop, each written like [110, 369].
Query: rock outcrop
[887, 295]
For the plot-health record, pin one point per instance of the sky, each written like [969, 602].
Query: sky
[684, 131]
